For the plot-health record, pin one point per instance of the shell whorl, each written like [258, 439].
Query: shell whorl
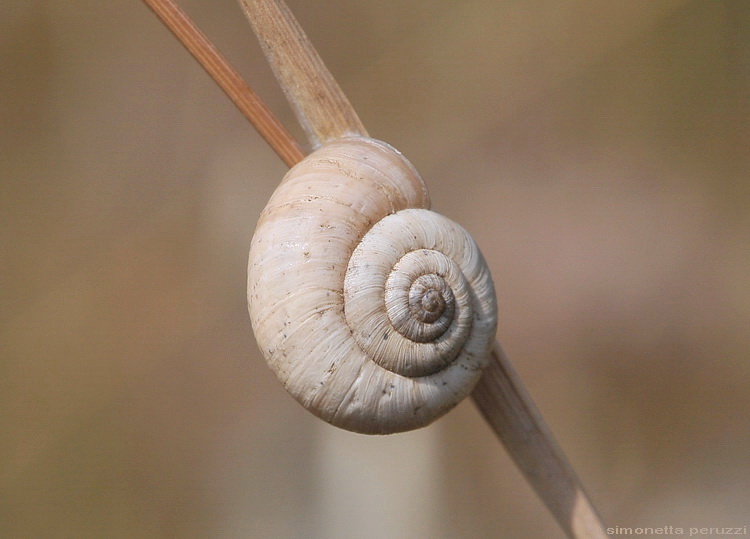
[375, 313]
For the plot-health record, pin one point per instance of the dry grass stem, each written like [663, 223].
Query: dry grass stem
[500, 395]
[217, 66]
[509, 409]
[321, 107]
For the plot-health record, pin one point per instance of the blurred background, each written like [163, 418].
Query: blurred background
[598, 151]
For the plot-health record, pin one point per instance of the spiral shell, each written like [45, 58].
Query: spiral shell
[375, 313]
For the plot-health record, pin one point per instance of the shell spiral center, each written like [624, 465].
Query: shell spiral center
[411, 307]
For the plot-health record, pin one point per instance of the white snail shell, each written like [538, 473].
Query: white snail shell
[375, 313]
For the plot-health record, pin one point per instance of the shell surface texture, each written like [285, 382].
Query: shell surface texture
[377, 314]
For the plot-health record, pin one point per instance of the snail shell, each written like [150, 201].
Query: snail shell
[375, 313]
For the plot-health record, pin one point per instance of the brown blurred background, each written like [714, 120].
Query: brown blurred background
[598, 151]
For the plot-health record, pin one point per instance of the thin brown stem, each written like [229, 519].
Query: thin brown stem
[217, 66]
[506, 405]
[319, 103]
